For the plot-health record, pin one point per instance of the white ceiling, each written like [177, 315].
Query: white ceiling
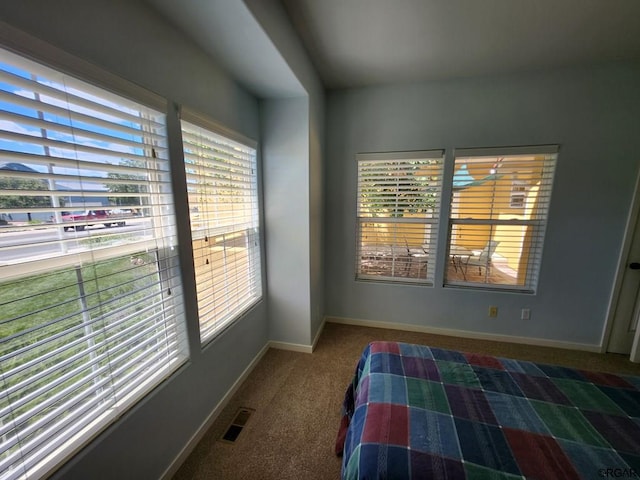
[356, 43]
[365, 42]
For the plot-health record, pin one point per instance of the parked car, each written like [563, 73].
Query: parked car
[88, 218]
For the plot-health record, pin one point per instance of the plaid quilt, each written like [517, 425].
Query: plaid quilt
[418, 412]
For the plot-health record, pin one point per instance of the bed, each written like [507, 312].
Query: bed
[414, 411]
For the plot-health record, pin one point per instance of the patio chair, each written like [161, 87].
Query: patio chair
[418, 255]
[396, 260]
[482, 258]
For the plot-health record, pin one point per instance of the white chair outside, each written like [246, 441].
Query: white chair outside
[482, 258]
[418, 256]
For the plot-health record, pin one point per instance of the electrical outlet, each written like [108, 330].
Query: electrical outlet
[493, 311]
[525, 314]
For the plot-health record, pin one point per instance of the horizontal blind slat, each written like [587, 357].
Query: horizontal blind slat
[66, 96]
[73, 148]
[71, 130]
[29, 103]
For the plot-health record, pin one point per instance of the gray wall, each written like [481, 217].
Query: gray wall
[291, 321]
[285, 153]
[126, 38]
[593, 113]
[316, 209]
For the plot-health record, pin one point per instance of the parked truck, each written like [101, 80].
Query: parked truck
[88, 218]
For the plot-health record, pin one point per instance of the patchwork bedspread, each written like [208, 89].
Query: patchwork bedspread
[418, 412]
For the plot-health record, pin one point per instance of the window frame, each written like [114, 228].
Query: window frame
[210, 326]
[32, 50]
[404, 251]
[536, 225]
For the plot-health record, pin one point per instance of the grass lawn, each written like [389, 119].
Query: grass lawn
[41, 306]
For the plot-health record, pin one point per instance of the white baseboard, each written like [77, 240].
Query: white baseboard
[318, 333]
[294, 347]
[197, 436]
[542, 342]
[299, 347]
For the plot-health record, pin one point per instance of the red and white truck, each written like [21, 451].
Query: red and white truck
[88, 218]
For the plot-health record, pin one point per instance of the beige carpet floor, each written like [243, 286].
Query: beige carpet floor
[297, 399]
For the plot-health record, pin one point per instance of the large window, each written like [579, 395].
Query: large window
[398, 212]
[223, 203]
[90, 297]
[499, 207]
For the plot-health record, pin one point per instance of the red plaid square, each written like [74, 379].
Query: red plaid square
[483, 361]
[539, 456]
[387, 423]
[385, 347]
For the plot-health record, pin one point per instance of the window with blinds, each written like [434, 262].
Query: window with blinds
[91, 315]
[222, 188]
[397, 219]
[499, 208]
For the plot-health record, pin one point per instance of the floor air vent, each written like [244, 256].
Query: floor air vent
[238, 423]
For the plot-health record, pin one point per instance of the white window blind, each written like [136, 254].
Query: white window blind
[398, 210]
[223, 202]
[90, 298]
[499, 209]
